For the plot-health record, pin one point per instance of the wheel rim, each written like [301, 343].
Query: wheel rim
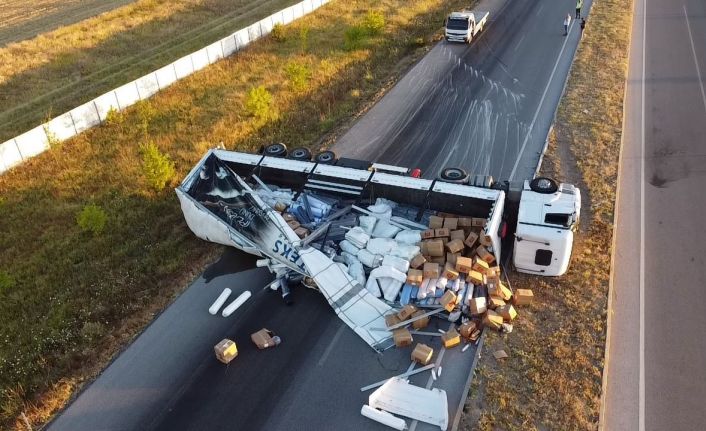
[454, 175]
[299, 153]
[274, 149]
[544, 184]
[325, 157]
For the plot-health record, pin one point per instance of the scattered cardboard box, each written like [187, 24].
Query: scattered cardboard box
[451, 223]
[465, 222]
[441, 260]
[451, 338]
[280, 207]
[451, 258]
[523, 297]
[436, 222]
[492, 320]
[226, 350]
[455, 246]
[301, 232]
[422, 322]
[471, 239]
[406, 312]
[485, 239]
[450, 272]
[402, 337]
[428, 234]
[478, 222]
[288, 217]
[505, 292]
[431, 270]
[495, 302]
[293, 224]
[478, 306]
[464, 264]
[263, 338]
[415, 277]
[466, 330]
[434, 247]
[391, 320]
[484, 254]
[457, 234]
[422, 354]
[500, 354]
[480, 265]
[448, 300]
[417, 261]
[474, 277]
[442, 232]
[507, 311]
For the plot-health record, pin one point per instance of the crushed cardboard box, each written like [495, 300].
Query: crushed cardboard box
[264, 338]
[226, 350]
[422, 354]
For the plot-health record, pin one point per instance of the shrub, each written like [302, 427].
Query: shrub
[145, 114]
[298, 75]
[158, 168]
[278, 33]
[52, 139]
[92, 218]
[114, 117]
[304, 39]
[6, 281]
[374, 22]
[259, 104]
[354, 38]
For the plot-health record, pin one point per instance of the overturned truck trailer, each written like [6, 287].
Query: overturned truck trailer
[305, 218]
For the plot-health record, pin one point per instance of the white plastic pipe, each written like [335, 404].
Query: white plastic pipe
[240, 300]
[219, 301]
[383, 417]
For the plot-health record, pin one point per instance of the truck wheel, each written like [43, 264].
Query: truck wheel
[454, 175]
[276, 150]
[543, 185]
[326, 158]
[302, 154]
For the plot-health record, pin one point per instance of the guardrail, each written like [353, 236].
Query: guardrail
[94, 112]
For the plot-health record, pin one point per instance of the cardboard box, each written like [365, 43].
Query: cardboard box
[491, 279]
[406, 312]
[422, 354]
[431, 270]
[484, 254]
[436, 222]
[451, 223]
[451, 258]
[226, 350]
[417, 261]
[391, 320]
[471, 239]
[457, 234]
[402, 337]
[466, 330]
[523, 297]
[494, 289]
[478, 305]
[455, 246]
[301, 232]
[475, 334]
[420, 323]
[415, 277]
[293, 224]
[492, 320]
[280, 207]
[478, 222]
[465, 222]
[288, 217]
[441, 260]
[507, 312]
[428, 234]
[505, 292]
[485, 239]
[448, 300]
[434, 248]
[442, 232]
[450, 271]
[480, 265]
[495, 302]
[263, 338]
[474, 277]
[451, 338]
[464, 264]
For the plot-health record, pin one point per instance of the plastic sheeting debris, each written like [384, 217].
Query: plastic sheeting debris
[397, 396]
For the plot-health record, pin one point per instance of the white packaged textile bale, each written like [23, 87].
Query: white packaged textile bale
[348, 247]
[383, 229]
[358, 237]
[406, 252]
[367, 223]
[381, 272]
[371, 260]
[408, 237]
[381, 246]
[356, 271]
[423, 288]
[396, 262]
[383, 211]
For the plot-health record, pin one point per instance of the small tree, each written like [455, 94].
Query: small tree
[278, 33]
[158, 168]
[304, 39]
[374, 22]
[259, 104]
[92, 218]
[298, 75]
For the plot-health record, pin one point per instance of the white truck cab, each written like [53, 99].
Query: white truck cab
[465, 25]
[547, 219]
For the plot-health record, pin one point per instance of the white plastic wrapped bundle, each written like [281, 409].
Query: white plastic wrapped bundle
[409, 237]
[456, 286]
[391, 288]
[348, 247]
[356, 270]
[371, 260]
[381, 210]
[431, 287]
[381, 246]
[358, 237]
[423, 288]
[383, 201]
[442, 282]
[383, 229]
[406, 252]
[396, 262]
[367, 223]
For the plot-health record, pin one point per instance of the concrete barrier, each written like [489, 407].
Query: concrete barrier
[94, 112]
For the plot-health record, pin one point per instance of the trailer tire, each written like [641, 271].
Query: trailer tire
[300, 153]
[544, 185]
[454, 175]
[326, 158]
[276, 150]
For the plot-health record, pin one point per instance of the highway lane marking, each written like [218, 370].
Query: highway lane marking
[696, 60]
[641, 383]
[541, 102]
[520, 42]
[328, 350]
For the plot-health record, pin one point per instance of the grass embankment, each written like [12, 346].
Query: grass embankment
[58, 71]
[552, 379]
[90, 245]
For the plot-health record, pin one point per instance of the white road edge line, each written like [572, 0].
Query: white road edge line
[641, 384]
[541, 102]
[521, 39]
[696, 60]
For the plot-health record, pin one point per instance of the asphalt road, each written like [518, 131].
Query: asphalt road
[492, 112]
[486, 107]
[656, 355]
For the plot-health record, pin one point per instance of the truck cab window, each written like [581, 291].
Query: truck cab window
[558, 218]
[543, 257]
[457, 24]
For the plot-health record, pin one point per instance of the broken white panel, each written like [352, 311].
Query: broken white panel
[228, 45]
[85, 116]
[399, 397]
[127, 95]
[9, 155]
[384, 418]
[199, 59]
[61, 127]
[183, 67]
[32, 142]
[242, 37]
[104, 103]
[147, 85]
[254, 32]
[358, 309]
[215, 51]
[203, 223]
[166, 76]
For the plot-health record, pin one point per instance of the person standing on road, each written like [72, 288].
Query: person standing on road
[567, 21]
[579, 5]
